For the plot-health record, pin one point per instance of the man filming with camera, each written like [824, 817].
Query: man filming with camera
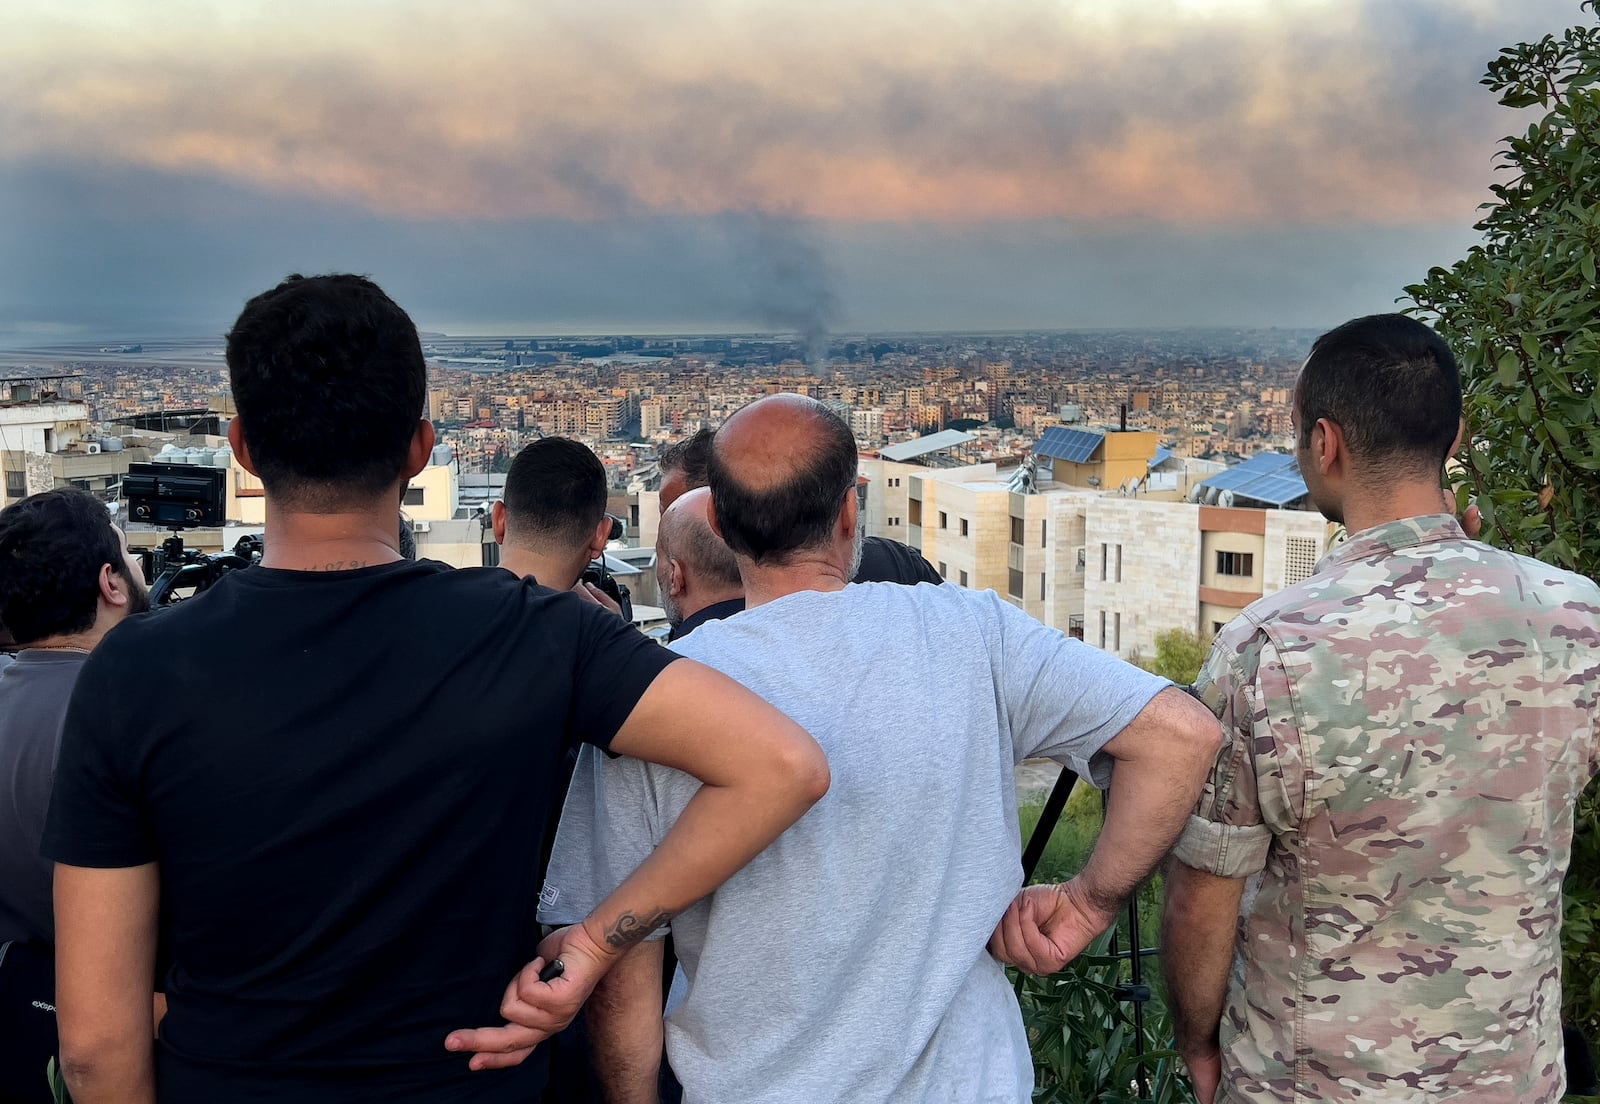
[66, 579]
[552, 523]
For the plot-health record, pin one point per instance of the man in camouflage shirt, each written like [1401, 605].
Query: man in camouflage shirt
[1407, 732]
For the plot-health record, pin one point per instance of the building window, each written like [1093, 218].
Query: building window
[914, 510]
[963, 527]
[1014, 583]
[1116, 632]
[1105, 560]
[1236, 563]
[1042, 541]
[944, 520]
[1217, 627]
[1300, 560]
[1083, 555]
[944, 570]
[963, 577]
[1102, 628]
[894, 522]
[1016, 530]
[1119, 563]
[414, 496]
[1041, 586]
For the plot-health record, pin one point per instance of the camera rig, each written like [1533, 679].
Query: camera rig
[179, 497]
[597, 574]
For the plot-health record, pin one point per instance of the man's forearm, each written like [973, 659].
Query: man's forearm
[626, 1029]
[1156, 782]
[720, 830]
[1199, 922]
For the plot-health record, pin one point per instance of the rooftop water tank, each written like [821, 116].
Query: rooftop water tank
[442, 455]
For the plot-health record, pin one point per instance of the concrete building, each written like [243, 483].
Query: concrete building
[1112, 568]
[34, 426]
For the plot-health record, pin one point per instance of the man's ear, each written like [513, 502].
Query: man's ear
[1328, 447]
[1461, 435]
[849, 515]
[241, 450]
[115, 591]
[421, 452]
[497, 518]
[601, 538]
[677, 580]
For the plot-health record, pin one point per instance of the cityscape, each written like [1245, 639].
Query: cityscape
[968, 442]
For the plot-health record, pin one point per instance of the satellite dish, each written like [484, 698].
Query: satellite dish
[1225, 498]
[1195, 492]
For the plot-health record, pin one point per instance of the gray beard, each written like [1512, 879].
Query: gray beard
[855, 554]
[674, 616]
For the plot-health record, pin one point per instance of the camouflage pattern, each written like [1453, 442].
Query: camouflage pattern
[1408, 731]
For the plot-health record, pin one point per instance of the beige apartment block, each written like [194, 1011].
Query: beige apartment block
[1112, 569]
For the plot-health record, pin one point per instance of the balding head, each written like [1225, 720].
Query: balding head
[782, 470]
[694, 568]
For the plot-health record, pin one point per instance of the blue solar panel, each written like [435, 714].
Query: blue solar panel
[1271, 477]
[1076, 446]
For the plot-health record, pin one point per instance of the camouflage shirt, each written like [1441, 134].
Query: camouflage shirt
[1406, 734]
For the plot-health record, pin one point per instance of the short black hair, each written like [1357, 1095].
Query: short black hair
[692, 456]
[52, 547]
[796, 512]
[556, 493]
[1391, 384]
[329, 381]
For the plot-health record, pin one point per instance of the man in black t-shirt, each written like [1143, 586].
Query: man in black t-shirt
[321, 787]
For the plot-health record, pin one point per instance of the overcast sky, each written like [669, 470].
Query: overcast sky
[862, 165]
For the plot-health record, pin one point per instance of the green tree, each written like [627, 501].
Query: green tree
[1179, 656]
[1520, 311]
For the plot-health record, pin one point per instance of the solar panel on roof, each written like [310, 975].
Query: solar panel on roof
[1271, 477]
[1076, 446]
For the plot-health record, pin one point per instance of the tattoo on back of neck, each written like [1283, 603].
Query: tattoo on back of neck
[629, 929]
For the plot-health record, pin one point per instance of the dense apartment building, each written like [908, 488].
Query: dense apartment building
[1112, 567]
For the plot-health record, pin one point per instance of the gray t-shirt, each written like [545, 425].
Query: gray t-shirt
[33, 703]
[849, 961]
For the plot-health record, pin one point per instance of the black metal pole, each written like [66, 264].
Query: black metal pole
[1049, 817]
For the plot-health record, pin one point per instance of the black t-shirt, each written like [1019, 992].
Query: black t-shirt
[888, 561]
[346, 778]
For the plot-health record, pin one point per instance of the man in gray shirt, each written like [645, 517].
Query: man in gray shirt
[66, 579]
[849, 961]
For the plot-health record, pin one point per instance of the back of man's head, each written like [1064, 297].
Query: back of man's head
[1393, 387]
[686, 536]
[329, 381]
[780, 471]
[555, 496]
[52, 548]
[685, 466]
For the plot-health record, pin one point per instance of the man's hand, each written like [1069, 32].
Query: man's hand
[537, 1009]
[1046, 927]
[1206, 1073]
[591, 593]
[1471, 518]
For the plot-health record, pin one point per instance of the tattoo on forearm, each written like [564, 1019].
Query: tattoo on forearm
[629, 929]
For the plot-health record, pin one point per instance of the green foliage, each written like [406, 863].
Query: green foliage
[1519, 310]
[1580, 935]
[1179, 656]
[1081, 1034]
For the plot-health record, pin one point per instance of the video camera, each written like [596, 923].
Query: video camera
[179, 497]
[597, 574]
